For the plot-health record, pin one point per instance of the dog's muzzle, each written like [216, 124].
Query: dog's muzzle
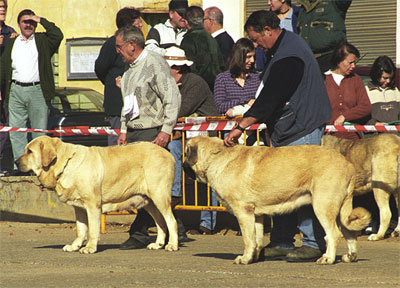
[189, 171]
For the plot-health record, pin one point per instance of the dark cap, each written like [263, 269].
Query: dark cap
[179, 6]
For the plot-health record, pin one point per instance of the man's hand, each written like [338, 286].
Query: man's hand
[162, 139]
[339, 120]
[118, 82]
[121, 139]
[232, 138]
[32, 17]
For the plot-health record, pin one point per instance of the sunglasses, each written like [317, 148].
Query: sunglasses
[31, 22]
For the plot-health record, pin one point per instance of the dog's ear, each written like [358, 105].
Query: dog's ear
[191, 154]
[48, 152]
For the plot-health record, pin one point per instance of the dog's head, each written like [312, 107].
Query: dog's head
[329, 141]
[41, 156]
[199, 152]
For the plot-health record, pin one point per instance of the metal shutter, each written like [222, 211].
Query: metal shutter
[254, 5]
[371, 27]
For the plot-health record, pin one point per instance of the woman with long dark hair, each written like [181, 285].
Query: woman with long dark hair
[235, 89]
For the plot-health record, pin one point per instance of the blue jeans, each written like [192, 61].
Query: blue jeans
[207, 218]
[285, 226]
[175, 147]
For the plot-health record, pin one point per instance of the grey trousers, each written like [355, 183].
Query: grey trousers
[26, 103]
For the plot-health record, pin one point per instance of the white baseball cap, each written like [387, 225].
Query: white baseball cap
[176, 56]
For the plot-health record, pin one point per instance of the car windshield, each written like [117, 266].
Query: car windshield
[69, 100]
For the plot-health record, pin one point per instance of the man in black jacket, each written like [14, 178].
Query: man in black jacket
[214, 24]
[26, 76]
[109, 66]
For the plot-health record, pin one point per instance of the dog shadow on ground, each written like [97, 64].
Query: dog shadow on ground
[231, 256]
[104, 247]
[225, 256]
[100, 248]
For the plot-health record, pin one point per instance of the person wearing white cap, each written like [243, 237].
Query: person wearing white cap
[197, 100]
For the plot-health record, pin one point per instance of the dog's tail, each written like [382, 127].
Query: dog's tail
[353, 219]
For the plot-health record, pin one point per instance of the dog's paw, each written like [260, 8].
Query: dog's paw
[395, 233]
[374, 237]
[242, 260]
[171, 247]
[347, 258]
[155, 246]
[87, 250]
[325, 260]
[70, 248]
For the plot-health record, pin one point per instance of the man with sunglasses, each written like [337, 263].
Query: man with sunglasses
[27, 76]
[170, 33]
[151, 102]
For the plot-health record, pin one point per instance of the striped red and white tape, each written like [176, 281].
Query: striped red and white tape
[203, 126]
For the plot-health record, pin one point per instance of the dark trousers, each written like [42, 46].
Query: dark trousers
[3, 122]
[143, 219]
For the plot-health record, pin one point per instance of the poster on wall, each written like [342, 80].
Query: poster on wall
[81, 56]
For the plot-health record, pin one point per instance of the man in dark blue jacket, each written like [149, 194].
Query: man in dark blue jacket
[293, 102]
[214, 24]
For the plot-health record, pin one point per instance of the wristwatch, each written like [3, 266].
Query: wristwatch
[237, 126]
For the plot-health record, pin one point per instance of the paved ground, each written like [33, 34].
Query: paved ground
[31, 256]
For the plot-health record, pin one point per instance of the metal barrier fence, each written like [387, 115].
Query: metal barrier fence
[219, 125]
[191, 199]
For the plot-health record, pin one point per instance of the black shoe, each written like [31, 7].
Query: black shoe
[136, 241]
[182, 237]
[372, 228]
[19, 173]
[304, 254]
[392, 226]
[4, 173]
[271, 253]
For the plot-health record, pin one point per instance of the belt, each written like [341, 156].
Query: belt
[25, 84]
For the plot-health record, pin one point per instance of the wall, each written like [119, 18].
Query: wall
[80, 18]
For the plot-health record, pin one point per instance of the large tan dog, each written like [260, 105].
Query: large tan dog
[252, 181]
[103, 179]
[377, 163]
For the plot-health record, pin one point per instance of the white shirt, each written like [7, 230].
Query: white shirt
[25, 60]
[336, 77]
[216, 33]
[168, 35]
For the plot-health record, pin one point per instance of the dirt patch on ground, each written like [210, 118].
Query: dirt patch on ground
[31, 256]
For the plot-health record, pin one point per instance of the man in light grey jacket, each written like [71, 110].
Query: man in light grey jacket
[150, 111]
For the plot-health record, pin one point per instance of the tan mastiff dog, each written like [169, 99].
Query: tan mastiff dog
[377, 163]
[252, 181]
[103, 179]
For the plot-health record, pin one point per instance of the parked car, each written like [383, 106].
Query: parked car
[78, 108]
[72, 108]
